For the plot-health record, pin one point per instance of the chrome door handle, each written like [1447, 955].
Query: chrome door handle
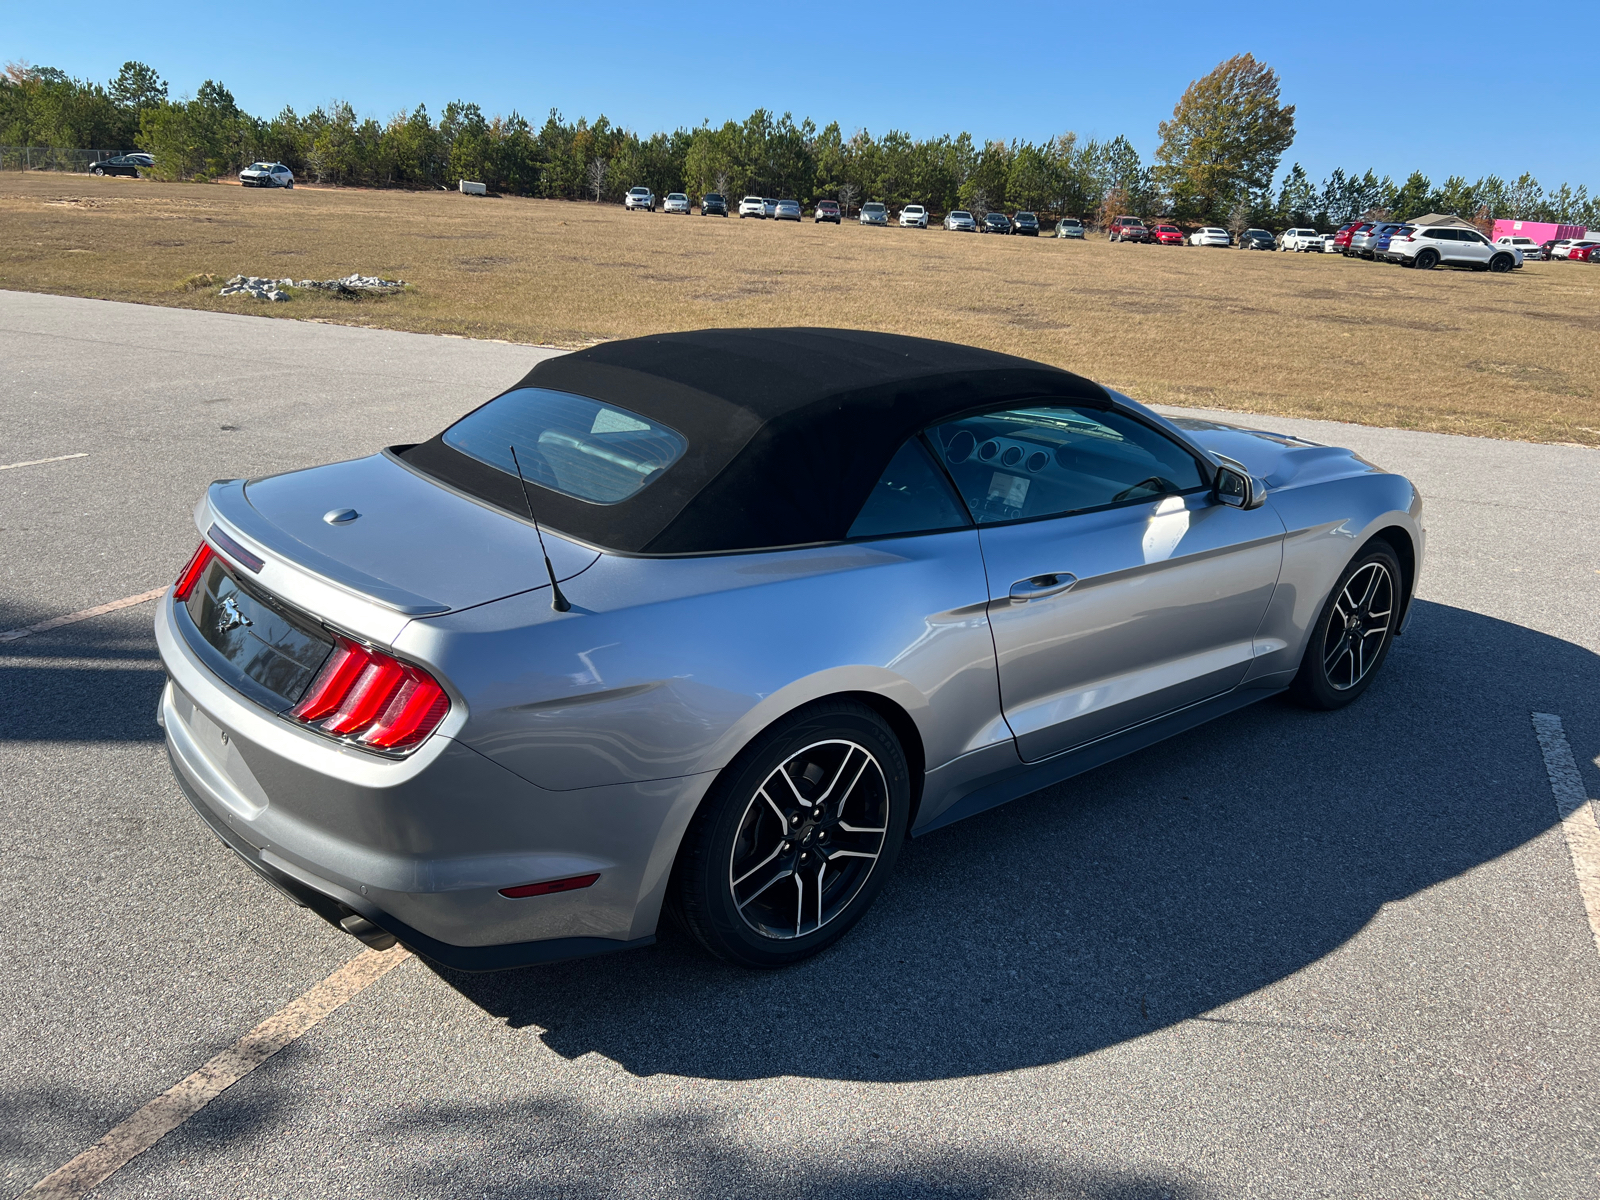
[1040, 586]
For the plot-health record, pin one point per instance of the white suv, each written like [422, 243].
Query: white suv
[639, 197]
[1427, 246]
[752, 206]
[913, 216]
[1300, 239]
[1530, 249]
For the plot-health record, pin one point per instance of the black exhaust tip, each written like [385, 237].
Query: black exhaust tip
[359, 926]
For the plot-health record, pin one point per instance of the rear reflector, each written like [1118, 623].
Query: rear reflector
[372, 698]
[571, 884]
[190, 575]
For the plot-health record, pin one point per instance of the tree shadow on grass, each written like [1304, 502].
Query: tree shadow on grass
[1142, 894]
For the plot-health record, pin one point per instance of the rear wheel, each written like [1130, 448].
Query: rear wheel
[1352, 636]
[1427, 260]
[796, 837]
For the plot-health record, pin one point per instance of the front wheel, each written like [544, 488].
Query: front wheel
[1501, 263]
[1352, 636]
[99, 171]
[796, 838]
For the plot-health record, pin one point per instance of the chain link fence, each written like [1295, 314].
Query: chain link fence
[48, 158]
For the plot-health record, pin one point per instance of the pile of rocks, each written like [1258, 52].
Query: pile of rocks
[254, 285]
[354, 283]
[272, 289]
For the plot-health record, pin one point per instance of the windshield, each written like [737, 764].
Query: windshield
[676, 196]
[257, 166]
[1026, 217]
[829, 205]
[567, 443]
[714, 196]
[961, 214]
[872, 208]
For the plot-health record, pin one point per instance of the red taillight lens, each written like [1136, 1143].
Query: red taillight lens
[190, 575]
[332, 683]
[380, 701]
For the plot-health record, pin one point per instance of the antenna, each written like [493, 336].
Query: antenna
[557, 600]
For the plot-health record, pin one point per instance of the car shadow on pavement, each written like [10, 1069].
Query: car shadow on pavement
[525, 1149]
[95, 682]
[1148, 892]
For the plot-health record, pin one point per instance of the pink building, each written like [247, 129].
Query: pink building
[1539, 231]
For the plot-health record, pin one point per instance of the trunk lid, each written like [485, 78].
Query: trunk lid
[415, 546]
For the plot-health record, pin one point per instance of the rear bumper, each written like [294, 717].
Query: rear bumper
[420, 847]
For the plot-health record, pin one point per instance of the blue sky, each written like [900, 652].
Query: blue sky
[1456, 91]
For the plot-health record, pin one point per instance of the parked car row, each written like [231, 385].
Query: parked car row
[1385, 241]
[1426, 246]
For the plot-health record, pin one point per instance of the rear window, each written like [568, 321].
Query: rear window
[568, 443]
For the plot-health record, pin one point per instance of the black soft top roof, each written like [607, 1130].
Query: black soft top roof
[788, 429]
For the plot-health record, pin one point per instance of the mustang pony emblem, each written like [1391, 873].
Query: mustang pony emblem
[230, 617]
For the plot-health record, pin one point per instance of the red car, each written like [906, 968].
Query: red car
[1583, 252]
[1167, 235]
[1342, 238]
[1128, 229]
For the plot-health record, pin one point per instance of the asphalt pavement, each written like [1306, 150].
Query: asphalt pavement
[1287, 954]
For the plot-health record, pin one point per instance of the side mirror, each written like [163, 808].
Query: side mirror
[1234, 486]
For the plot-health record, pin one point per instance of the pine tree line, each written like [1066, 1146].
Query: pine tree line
[209, 135]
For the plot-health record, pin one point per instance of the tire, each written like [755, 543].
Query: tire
[99, 172]
[1341, 658]
[1427, 260]
[1501, 263]
[730, 885]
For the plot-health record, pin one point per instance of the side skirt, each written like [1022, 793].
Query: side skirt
[1086, 758]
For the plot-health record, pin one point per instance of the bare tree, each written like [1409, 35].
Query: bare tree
[598, 170]
[722, 183]
[978, 205]
[847, 195]
[1239, 219]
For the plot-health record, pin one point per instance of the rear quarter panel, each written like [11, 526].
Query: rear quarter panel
[667, 667]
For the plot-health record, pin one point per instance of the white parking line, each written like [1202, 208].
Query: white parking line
[1576, 810]
[84, 614]
[39, 462]
[188, 1096]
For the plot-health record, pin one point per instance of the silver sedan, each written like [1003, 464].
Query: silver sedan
[714, 621]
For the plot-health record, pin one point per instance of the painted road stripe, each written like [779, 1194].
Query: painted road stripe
[98, 610]
[188, 1096]
[1576, 810]
[39, 462]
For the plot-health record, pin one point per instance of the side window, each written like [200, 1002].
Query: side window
[912, 496]
[1047, 461]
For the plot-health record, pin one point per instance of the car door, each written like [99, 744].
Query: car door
[1121, 588]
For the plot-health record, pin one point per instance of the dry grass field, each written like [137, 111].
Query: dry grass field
[1304, 335]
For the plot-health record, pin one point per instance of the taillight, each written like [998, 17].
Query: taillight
[373, 699]
[190, 575]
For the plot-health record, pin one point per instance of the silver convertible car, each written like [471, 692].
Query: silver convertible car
[709, 623]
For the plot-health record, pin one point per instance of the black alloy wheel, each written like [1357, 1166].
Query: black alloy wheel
[1427, 260]
[795, 839]
[1352, 636]
[1501, 263]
